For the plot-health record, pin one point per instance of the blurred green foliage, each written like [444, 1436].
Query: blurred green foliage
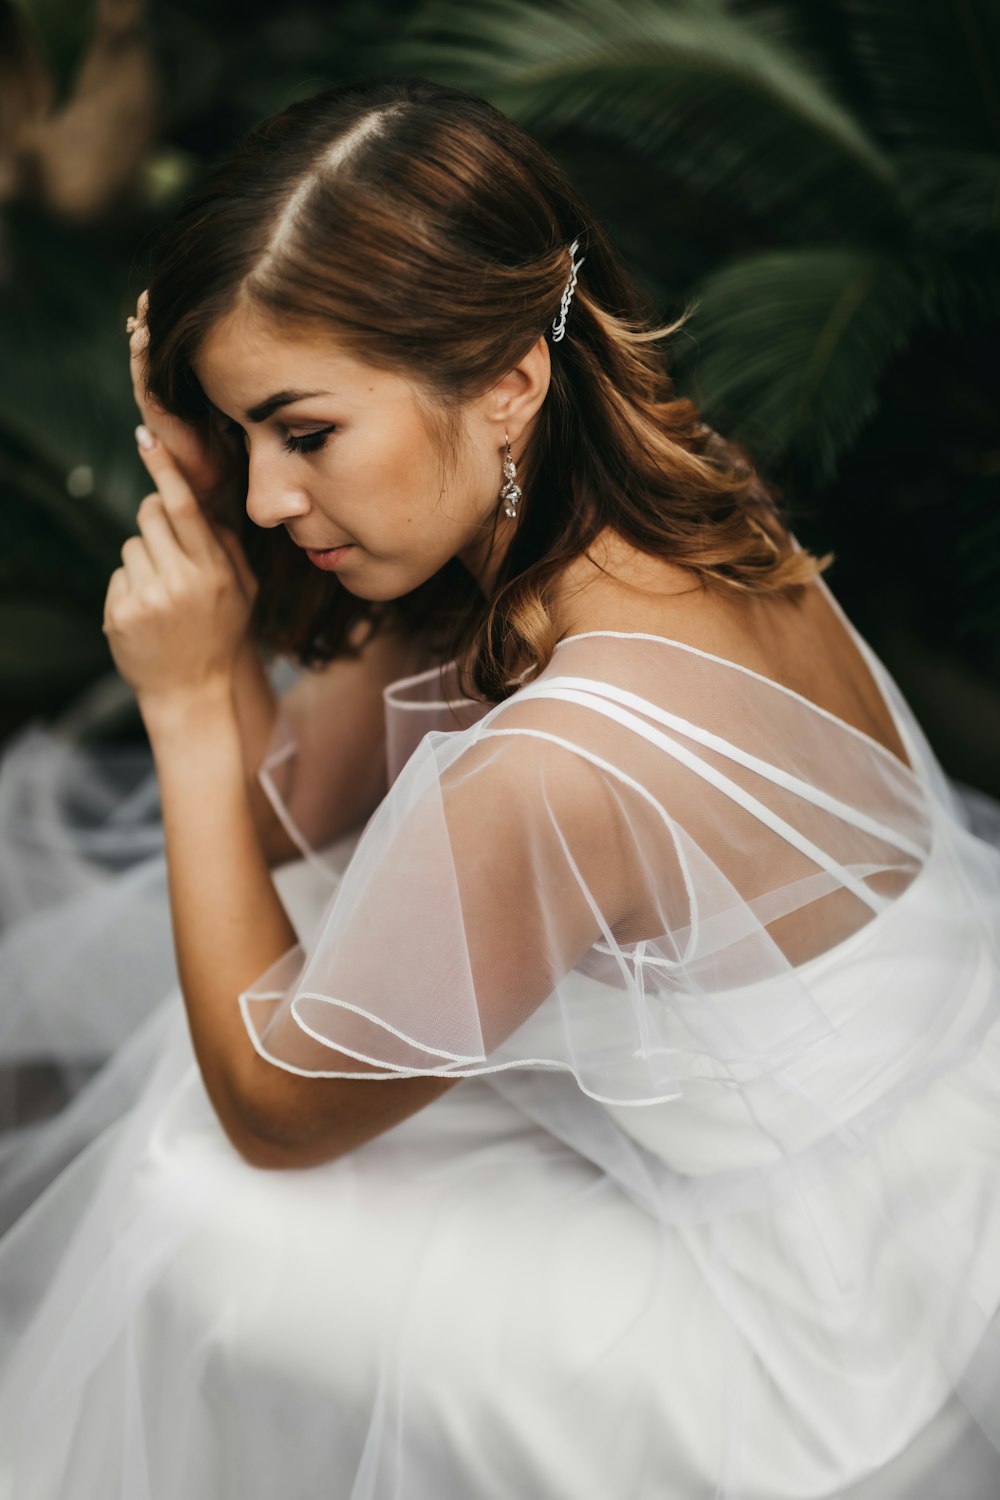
[819, 179]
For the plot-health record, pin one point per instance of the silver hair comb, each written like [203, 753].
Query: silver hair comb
[559, 323]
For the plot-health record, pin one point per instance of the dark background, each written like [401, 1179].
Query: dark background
[820, 178]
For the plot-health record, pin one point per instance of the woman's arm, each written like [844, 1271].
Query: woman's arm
[176, 617]
[230, 927]
[228, 921]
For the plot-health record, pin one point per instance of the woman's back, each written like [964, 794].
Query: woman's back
[803, 644]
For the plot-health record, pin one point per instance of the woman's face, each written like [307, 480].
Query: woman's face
[341, 454]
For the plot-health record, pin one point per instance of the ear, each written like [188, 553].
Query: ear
[515, 399]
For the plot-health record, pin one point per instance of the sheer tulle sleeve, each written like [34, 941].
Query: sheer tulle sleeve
[310, 757]
[340, 737]
[493, 867]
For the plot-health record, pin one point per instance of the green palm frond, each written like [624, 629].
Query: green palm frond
[954, 195]
[932, 69]
[712, 97]
[789, 347]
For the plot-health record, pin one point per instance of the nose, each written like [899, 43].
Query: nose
[271, 498]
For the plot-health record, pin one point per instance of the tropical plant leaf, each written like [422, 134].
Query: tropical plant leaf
[933, 69]
[789, 347]
[666, 230]
[712, 97]
[954, 195]
[818, 31]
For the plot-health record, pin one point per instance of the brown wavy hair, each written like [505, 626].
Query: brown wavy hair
[430, 236]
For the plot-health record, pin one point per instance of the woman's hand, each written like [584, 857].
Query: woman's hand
[177, 610]
[200, 452]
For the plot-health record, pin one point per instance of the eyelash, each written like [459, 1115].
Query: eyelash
[309, 442]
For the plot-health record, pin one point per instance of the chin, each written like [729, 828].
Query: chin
[394, 584]
[377, 594]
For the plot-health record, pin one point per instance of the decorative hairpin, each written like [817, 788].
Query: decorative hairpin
[559, 323]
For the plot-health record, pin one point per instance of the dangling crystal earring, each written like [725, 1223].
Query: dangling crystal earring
[510, 492]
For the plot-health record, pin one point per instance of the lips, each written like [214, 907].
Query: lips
[329, 558]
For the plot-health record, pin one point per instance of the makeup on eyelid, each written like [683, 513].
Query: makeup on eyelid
[306, 442]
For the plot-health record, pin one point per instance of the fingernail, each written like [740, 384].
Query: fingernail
[144, 437]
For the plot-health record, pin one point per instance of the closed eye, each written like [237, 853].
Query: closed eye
[309, 442]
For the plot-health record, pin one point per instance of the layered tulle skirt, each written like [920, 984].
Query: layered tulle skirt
[468, 1308]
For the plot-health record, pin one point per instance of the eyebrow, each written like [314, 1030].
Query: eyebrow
[265, 409]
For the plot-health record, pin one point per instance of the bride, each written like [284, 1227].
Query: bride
[603, 1100]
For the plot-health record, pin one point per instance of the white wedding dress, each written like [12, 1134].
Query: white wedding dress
[715, 1211]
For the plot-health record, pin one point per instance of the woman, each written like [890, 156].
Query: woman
[625, 1123]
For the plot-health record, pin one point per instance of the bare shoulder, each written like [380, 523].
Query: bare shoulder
[802, 643]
